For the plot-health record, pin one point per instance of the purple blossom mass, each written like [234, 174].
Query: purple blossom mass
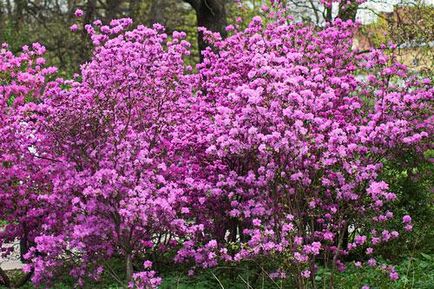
[273, 145]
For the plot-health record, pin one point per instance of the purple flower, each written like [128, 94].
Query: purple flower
[372, 262]
[406, 219]
[73, 27]
[393, 276]
[305, 274]
[147, 264]
[78, 13]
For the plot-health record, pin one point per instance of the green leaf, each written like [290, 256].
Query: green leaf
[426, 256]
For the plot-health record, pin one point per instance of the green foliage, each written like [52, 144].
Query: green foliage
[376, 32]
[415, 273]
[15, 38]
[412, 179]
[411, 28]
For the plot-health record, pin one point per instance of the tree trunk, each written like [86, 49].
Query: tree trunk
[24, 243]
[89, 14]
[329, 14]
[157, 12]
[20, 7]
[210, 14]
[4, 279]
[129, 267]
[9, 7]
[348, 11]
[2, 17]
[112, 10]
[134, 9]
[90, 11]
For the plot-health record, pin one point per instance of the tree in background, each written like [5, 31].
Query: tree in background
[23, 22]
[210, 14]
[410, 28]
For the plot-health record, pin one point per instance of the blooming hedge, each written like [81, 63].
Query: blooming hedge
[273, 146]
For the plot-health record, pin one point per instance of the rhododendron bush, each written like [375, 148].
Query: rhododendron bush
[274, 146]
[24, 175]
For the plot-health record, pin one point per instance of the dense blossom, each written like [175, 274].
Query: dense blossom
[24, 174]
[296, 127]
[273, 146]
[119, 171]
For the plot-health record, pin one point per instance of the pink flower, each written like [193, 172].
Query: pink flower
[73, 27]
[393, 276]
[372, 262]
[78, 13]
[408, 227]
[267, 146]
[406, 219]
[305, 274]
[328, 236]
[147, 264]
[360, 240]
[256, 222]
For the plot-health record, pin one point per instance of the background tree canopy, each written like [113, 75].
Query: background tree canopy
[47, 21]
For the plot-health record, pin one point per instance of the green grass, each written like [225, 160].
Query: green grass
[415, 273]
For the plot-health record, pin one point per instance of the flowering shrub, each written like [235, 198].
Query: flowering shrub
[114, 141]
[24, 175]
[273, 147]
[300, 127]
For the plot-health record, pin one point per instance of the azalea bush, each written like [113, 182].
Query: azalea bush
[300, 130]
[119, 171]
[24, 175]
[273, 147]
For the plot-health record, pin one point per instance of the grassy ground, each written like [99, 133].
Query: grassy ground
[415, 273]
